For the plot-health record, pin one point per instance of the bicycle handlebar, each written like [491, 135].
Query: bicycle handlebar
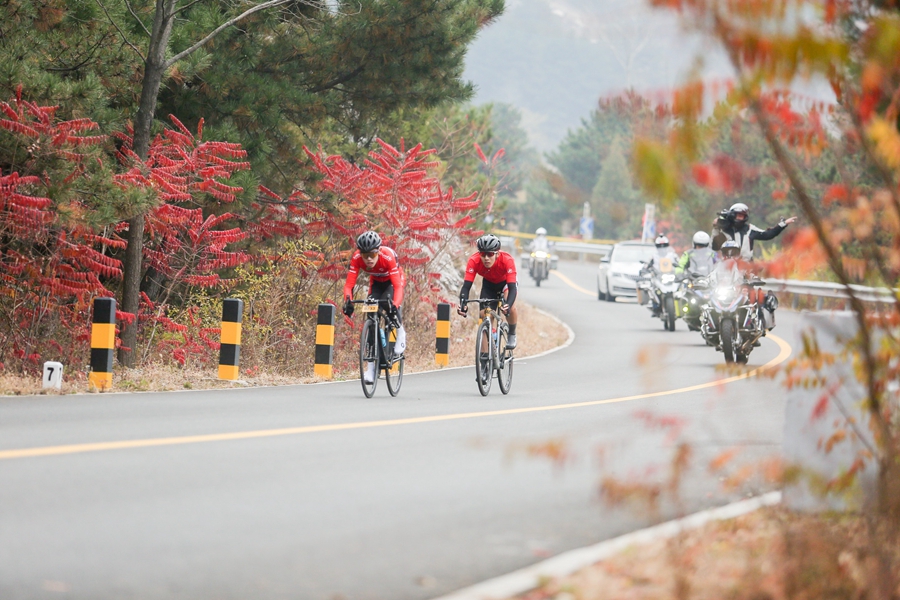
[484, 300]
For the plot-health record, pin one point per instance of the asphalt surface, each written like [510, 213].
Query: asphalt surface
[402, 498]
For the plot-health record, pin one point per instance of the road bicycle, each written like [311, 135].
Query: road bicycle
[376, 345]
[491, 354]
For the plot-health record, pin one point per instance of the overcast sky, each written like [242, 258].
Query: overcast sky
[554, 59]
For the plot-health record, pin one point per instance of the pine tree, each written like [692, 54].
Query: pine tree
[617, 205]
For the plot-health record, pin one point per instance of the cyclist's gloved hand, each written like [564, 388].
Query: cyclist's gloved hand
[394, 316]
[463, 309]
[504, 308]
[348, 307]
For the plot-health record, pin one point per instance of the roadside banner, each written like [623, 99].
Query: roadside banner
[648, 234]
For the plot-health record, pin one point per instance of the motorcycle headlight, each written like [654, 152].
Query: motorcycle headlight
[725, 294]
[539, 254]
[668, 278]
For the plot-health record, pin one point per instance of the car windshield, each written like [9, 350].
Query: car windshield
[633, 253]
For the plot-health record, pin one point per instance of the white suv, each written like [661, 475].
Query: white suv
[619, 270]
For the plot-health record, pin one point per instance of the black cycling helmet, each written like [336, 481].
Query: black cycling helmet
[488, 243]
[369, 241]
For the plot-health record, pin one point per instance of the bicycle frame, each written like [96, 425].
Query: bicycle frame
[491, 353]
[379, 349]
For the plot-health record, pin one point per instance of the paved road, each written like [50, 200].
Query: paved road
[436, 490]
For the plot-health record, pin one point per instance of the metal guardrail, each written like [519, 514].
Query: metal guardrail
[824, 289]
[586, 248]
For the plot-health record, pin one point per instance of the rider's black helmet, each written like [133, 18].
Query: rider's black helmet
[369, 241]
[739, 213]
[488, 243]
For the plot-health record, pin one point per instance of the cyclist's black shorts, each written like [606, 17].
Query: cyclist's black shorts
[384, 291]
[492, 291]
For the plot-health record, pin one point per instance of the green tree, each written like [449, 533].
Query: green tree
[270, 76]
[617, 205]
[520, 158]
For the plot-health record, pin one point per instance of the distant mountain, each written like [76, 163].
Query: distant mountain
[553, 59]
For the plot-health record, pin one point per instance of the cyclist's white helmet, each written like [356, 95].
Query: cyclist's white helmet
[541, 231]
[701, 238]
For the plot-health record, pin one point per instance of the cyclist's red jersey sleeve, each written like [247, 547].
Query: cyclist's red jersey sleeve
[386, 269]
[503, 270]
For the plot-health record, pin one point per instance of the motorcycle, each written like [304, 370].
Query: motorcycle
[693, 293]
[731, 321]
[539, 266]
[658, 286]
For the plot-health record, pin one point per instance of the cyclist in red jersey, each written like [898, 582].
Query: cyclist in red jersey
[498, 270]
[386, 279]
[386, 282]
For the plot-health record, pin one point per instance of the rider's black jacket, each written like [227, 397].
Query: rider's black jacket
[725, 230]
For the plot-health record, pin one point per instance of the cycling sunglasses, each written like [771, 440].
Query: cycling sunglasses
[369, 254]
[487, 254]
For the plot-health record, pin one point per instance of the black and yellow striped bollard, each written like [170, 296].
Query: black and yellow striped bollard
[442, 347]
[230, 340]
[325, 341]
[103, 343]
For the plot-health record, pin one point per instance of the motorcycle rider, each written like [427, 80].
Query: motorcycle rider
[733, 270]
[540, 241]
[539, 244]
[699, 260]
[498, 272]
[663, 250]
[734, 224]
[665, 258]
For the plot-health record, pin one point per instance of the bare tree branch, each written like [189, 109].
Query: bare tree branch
[230, 22]
[186, 6]
[121, 33]
[137, 18]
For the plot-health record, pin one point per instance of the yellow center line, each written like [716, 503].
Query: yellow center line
[244, 435]
[572, 284]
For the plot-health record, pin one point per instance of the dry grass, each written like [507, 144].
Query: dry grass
[537, 332]
[771, 554]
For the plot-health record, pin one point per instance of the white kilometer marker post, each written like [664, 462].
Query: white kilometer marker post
[53, 375]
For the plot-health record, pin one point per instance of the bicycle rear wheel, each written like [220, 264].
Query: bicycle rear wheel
[393, 370]
[368, 353]
[483, 360]
[505, 370]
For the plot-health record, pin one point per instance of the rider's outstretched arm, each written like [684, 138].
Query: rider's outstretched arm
[771, 233]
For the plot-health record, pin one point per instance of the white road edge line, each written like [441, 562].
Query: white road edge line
[529, 578]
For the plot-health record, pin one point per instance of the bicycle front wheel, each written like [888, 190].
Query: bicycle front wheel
[505, 370]
[483, 358]
[368, 357]
[393, 370]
